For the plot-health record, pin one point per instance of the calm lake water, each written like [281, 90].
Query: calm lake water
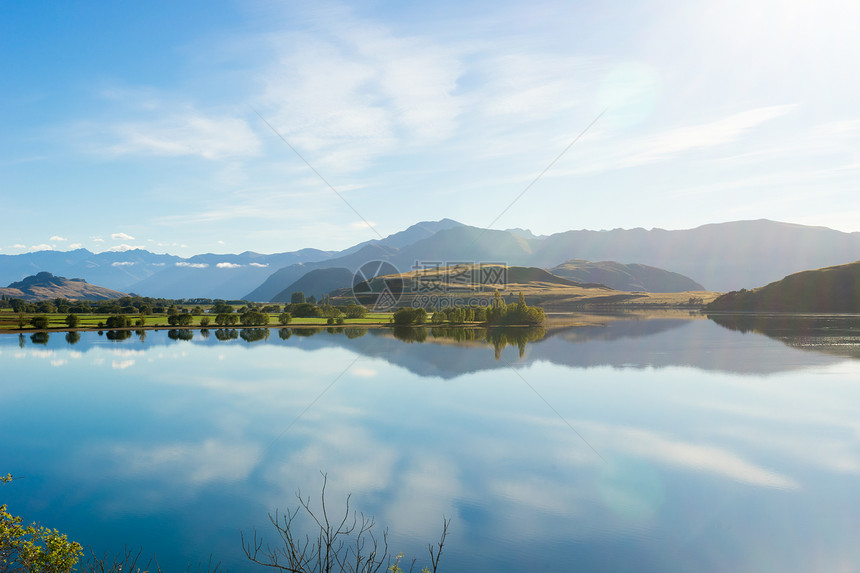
[639, 444]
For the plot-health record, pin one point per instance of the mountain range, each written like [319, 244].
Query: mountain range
[719, 257]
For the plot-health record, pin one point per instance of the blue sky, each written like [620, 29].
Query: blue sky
[136, 124]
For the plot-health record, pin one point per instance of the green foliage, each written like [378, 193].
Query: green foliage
[224, 319]
[179, 319]
[285, 318]
[33, 548]
[303, 310]
[297, 298]
[407, 316]
[353, 310]
[204, 321]
[330, 311]
[39, 322]
[221, 307]
[118, 321]
[254, 318]
[514, 314]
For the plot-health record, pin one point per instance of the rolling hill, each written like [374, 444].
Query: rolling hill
[45, 286]
[632, 277]
[832, 289]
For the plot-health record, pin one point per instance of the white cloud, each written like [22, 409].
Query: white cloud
[221, 242]
[122, 248]
[158, 264]
[192, 265]
[260, 265]
[228, 266]
[42, 247]
[74, 246]
[57, 238]
[121, 237]
[121, 364]
[19, 246]
[122, 263]
[97, 239]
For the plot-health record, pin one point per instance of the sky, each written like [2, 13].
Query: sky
[227, 126]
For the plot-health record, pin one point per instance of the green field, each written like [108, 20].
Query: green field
[56, 321]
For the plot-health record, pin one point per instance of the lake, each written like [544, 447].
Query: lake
[642, 443]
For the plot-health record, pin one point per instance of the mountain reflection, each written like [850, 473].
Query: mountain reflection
[761, 344]
[831, 334]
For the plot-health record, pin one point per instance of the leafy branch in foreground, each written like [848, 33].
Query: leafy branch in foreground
[33, 548]
[346, 543]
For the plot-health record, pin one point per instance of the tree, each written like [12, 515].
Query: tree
[406, 316]
[204, 321]
[40, 322]
[33, 548]
[343, 543]
[285, 318]
[179, 319]
[72, 320]
[117, 321]
[353, 310]
[254, 318]
[297, 297]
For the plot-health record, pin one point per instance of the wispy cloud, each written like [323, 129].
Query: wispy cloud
[121, 237]
[670, 144]
[57, 238]
[124, 247]
[260, 265]
[192, 265]
[122, 263]
[228, 266]
[42, 247]
[190, 133]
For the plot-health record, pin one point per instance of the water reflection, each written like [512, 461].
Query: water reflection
[118, 335]
[254, 334]
[697, 464]
[831, 334]
[621, 341]
[224, 334]
[180, 334]
[40, 338]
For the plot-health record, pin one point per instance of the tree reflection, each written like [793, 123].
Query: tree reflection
[118, 334]
[180, 334]
[497, 337]
[254, 334]
[39, 338]
[410, 334]
[73, 337]
[226, 334]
